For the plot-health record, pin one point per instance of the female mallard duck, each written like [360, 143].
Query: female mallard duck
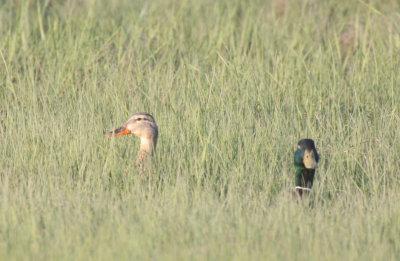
[305, 162]
[143, 126]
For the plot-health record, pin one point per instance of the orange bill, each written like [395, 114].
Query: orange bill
[118, 132]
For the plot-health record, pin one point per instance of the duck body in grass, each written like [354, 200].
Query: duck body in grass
[305, 162]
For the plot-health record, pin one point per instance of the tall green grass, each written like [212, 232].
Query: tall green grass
[233, 85]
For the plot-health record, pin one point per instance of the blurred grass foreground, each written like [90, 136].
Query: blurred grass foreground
[233, 85]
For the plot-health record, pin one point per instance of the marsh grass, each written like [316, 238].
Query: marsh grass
[233, 86]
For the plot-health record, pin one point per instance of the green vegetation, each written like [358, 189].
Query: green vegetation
[233, 85]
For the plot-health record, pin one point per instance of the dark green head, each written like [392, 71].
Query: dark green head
[306, 144]
[306, 155]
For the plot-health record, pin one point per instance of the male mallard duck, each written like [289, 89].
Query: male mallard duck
[305, 162]
[143, 126]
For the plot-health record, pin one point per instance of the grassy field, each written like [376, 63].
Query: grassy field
[233, 85]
